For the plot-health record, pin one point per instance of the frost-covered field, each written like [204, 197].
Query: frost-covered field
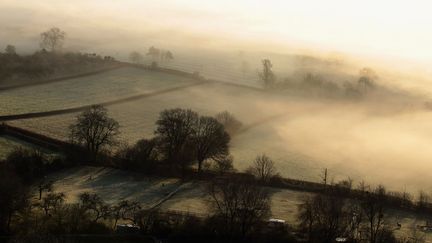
[378, 141]
[116, 185]
[112, 185]
[107, 86]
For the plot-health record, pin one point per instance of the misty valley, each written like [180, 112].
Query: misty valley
[214, 122]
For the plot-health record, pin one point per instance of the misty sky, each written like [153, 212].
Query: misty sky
[394, 29]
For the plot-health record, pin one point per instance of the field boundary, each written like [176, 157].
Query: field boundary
[168, 197]
[32, 137]
[196, 76]
[59, 79]
[107, 103]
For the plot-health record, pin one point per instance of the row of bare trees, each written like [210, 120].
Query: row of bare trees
[182, 138]
[49, 60]
[327, 216]
[156, 55]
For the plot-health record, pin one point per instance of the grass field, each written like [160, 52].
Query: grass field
[107, 86]
[112, 185]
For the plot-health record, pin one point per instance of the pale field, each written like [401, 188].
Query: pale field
[75, 92]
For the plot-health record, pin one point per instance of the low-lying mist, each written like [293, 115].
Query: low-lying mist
[380, 137]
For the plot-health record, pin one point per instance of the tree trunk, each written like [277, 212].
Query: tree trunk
[9, 221]
[199, 166]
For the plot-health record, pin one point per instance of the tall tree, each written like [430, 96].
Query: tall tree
[267, 76]
[239, 204]
[366, 82]
[52, 39]
[373, 210]
[175, 128]
[10, 50]
[169, 56]
[210, 140]
[13, 197]
[94, 129]
[154, 53]
[229, 121]
[136, 57]
[263, 168]
[323, 217]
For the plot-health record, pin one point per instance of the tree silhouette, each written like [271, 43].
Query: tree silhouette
[52, 39]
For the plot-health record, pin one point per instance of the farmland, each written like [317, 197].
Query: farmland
[107, 86]
[115, 185]
[302, 135]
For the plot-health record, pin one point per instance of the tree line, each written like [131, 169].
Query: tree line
[184, 141]
[157, 56]
[47, 61]
[315, 84]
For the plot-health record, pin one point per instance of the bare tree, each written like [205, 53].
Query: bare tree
[210, 140]
[324, 217]
[373, 210]
[169, 55]
[95, 205]
[263, 168]
[13, 197]
[267, 76]
[231, 124]
[223, 164]
[94, 129]
[239, 203]
[423, 200]
[175, 128]
[136, 57]
[44, 185]
[154, 53]
[52, 202]
[52, 39]
[125, 210]
[367, 79]
[10, 50]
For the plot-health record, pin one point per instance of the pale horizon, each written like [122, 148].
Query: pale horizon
[385, 30]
